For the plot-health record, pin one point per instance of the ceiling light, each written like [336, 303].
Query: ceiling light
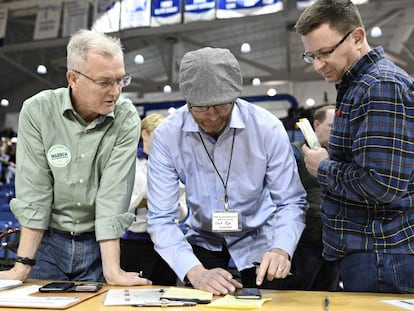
[376, 32]
[4, 102]
[167, 89]
[310, 102]
[139, 59]
[271, 92]
[245, 48]
[41, 69]
[256, 82]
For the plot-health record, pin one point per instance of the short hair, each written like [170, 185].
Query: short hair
[84, 40]
[341, 15]
[151, 121]
[320, 113]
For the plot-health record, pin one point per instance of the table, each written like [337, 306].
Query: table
[281, 300]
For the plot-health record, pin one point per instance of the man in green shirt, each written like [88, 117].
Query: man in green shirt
[75, 170]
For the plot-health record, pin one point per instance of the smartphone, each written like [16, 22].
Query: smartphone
[88, 287]
[248, 293]
[56, 287]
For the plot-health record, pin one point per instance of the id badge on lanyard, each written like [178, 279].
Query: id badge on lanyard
[226, 221]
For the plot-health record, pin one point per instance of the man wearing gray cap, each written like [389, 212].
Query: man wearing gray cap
[245, 198]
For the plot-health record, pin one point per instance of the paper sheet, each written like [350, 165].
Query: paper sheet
[231, 302]
[7, 284]
[182, 293]
[307, 131]
[20, 298]
[118, 297]
[407, 304]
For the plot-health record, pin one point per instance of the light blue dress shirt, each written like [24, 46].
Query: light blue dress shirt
[263, 186]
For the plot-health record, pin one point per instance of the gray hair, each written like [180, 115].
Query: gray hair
[341, 15]
[84, 40]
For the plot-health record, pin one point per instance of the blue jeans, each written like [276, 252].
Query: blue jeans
[63, 257]
[372, 272]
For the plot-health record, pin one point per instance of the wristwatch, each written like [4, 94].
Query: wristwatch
[25, 260]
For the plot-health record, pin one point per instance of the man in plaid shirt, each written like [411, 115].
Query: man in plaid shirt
[367, 174]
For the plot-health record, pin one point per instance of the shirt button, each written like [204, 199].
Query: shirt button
[77, 221]
[78, 204]
[82, 155]
[81, 180]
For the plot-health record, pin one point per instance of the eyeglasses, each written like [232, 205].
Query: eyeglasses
[310, 57]
[220, 107]
[122, 82]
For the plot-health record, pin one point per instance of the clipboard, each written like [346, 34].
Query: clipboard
[28, 296]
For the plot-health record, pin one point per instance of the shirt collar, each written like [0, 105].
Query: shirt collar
[68, 106]
[362, 65]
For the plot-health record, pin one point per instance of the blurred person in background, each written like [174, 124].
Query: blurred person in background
[312, 271]
[137, 249]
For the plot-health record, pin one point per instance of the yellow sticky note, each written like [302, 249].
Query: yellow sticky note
[231, 302]
[188, 294]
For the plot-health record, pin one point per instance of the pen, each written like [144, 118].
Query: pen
[326, 303]
[166, 303]
[257, 264]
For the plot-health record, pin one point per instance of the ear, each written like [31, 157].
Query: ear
[144, 134]
[358, 35]
[72, 79]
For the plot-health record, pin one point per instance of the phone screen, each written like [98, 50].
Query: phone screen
[248, 293]
[56, 287]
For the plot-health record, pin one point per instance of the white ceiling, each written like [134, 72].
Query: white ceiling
[275, 56]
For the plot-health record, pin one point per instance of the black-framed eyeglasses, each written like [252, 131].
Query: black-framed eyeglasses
[220, 107]
[310, 57]
[105, 83]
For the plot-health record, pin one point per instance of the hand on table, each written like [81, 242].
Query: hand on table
[217, 281]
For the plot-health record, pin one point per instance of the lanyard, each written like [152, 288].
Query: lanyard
[226, 198]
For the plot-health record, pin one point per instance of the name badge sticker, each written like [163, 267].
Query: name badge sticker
[59, 156]
[226, 221]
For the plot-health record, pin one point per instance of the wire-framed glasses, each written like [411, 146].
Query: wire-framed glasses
[220, 107]
[310, 57]
[105, 83]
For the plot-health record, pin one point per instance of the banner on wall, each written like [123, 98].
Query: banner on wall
[3, 25]
[135, 13]
[106, 15]
[47, 20]
[75, 16]
[165, 12]
[303, 4]
[240, 8]
[199, 10]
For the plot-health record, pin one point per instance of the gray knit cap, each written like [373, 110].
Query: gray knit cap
[210, 76]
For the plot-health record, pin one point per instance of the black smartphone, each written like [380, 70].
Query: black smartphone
[248, 293]
[56, 287]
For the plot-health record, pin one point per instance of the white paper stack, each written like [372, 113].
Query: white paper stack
[307, 131]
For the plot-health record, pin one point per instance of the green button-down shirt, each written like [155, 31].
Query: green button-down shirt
[71, 175]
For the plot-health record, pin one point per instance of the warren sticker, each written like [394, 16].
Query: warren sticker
[59, 156]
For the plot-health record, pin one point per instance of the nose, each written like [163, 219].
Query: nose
[317, 64]
[115, 89]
